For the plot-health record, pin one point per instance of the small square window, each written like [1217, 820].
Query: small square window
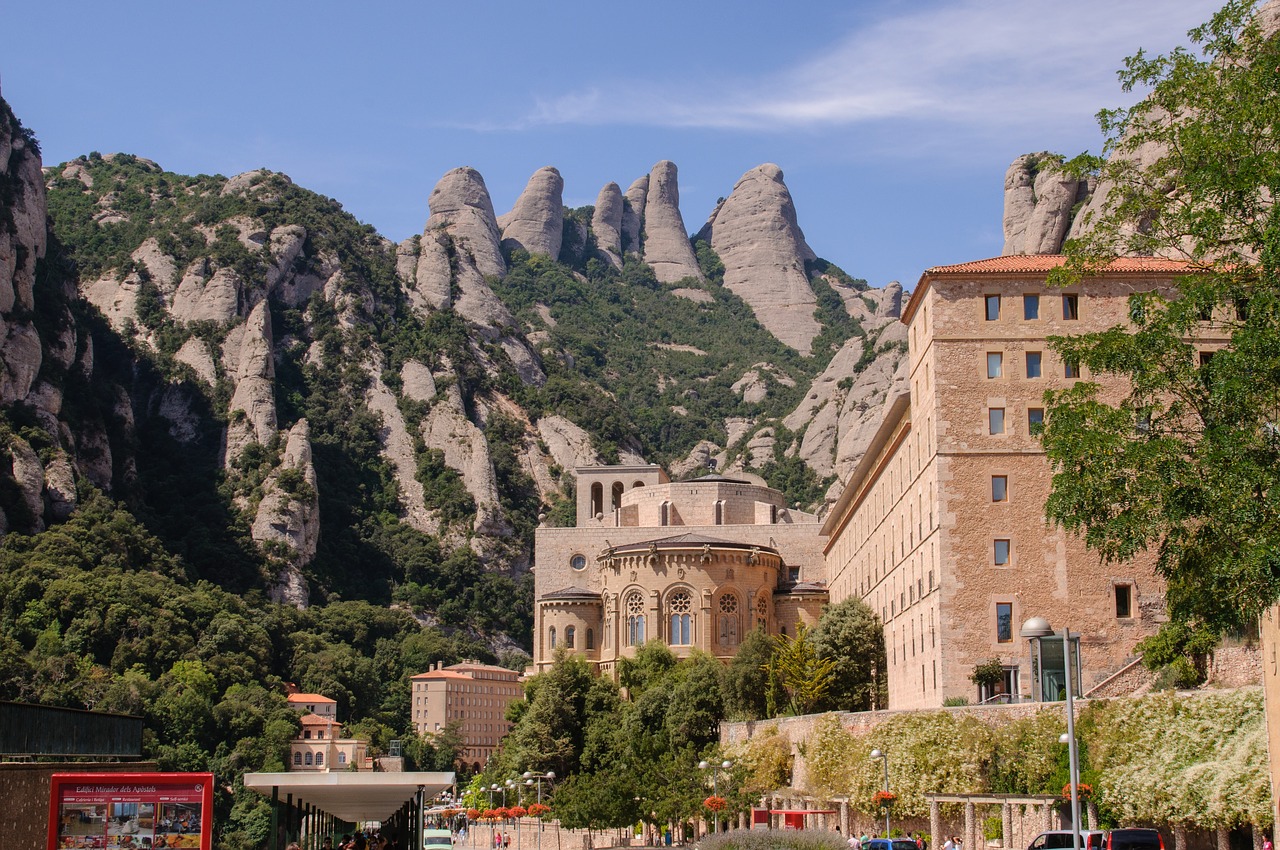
[1034, 359]
[999, 488]
[1002, 553]
[1071, 307]
[1205, 357]
[993, 308]
[1030, 307]
[995, 364]
[1004, 622]
[1070, 369]
[995, 420]
[1035, 420]
[1124, 601]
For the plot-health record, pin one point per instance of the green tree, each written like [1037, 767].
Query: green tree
[850, 634]
[1186, 461]
[747, 683]
[805, 677]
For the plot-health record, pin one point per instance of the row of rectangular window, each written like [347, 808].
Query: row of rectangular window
[1034, 363]
[1031, 307]
[996, 424]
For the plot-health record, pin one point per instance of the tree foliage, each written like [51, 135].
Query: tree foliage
[1186, 460]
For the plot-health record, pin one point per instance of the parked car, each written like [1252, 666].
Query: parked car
[1058, 839]
[1134, 839]
[886, 844]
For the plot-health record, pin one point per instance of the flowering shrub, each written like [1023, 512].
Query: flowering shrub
[714, 804]
[537, 810]
[883, 799]
[1083, 790]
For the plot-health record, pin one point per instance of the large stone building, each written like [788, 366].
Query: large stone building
[475, 697]
[940, 528]
[693, 563]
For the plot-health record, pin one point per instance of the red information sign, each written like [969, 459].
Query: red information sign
[131, 811]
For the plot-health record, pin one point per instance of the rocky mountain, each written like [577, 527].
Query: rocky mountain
[1044, 207]
[296, 406]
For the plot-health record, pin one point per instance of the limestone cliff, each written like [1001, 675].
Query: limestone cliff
[666, 241]
[288, 518]
[535, 223]
[758, 239]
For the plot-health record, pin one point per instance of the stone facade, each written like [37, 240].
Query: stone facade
[694, 563]
[321, 747]
[474, 696]
[941, 527]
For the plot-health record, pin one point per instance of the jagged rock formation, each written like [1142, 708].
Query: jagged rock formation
[458, 249]
[466, 452]
[288, 517]
[606, 223]
[535, 222]
[253, 408]
[758, 239]
[633, 204]
[23, 241]
[398, 448]
[666, 242]
[1039, 204]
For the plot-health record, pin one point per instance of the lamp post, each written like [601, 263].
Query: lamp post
[1038, 627]
[529, 778]
[876, 754]
[715, 782]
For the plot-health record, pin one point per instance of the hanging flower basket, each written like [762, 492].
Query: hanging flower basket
[517, 811]
[714, 804]
[1083, 789]
[537, 810]
[473, 814]
[883, 799]
[499, 814]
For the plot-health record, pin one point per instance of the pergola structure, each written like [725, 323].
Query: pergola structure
[305, 807]
[1021, 814]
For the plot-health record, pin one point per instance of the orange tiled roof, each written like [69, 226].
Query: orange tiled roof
[310, 698]
[1029, 263]
[442, 674]
[317, 720]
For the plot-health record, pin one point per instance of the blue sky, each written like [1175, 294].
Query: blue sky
[893, 121]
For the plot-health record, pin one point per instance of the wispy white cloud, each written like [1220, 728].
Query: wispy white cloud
[972, 63]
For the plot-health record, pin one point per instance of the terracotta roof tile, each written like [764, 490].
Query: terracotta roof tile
[311, 698]
[1032, 263]
[317, 720]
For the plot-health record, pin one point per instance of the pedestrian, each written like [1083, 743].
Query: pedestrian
[1266, 844]
[506, 841]
[951, 843]
[854, 842]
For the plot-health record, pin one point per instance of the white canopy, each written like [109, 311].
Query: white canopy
[348, 795]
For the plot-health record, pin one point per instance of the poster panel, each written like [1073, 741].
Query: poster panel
[131, 811]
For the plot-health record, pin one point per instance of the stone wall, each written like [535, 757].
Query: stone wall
[1236, 666]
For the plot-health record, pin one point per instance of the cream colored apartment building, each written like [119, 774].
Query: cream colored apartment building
[475, 696]
[696, 564]
[941, 527]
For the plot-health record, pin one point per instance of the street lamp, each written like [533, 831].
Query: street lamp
[876, 754]
[529, 778]
[715, 782]
[1038, 627]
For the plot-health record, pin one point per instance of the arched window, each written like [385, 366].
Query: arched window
[297, 759]
[680, 607]
[591, 639]
[552, 636]
[728, 620]
[635, 619]
[597, 499]
[762, 613]
[569, 634]
[307, 759]
[637, 484]
[666, 513]
[720, 512]
[617, 495]
[319, 759]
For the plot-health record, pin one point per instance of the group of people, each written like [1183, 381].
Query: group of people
[501, 840]
[856, 842]
[358, 841]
